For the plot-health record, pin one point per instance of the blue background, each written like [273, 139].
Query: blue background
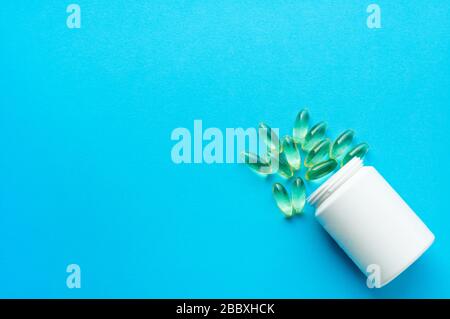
[86, 175]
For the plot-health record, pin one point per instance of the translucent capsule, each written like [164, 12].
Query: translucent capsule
[318, 153]
[315, 134]
[342, 144]
[292, 154]
[321, 169]
[298, 196]
[359, 150]
[301, 126]
[269, 137]
[284, 168]
[282, 199]
[256, 163]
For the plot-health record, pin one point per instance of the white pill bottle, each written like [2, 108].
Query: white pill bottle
[370, 221]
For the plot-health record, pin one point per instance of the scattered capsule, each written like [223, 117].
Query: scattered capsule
[284, 168]
[292, 154]
[318, 153]
[342, 144]
[298, 196]
[269, 137]
[301, 126]
[359, 150]
[282, 199]
[315, 134]
[321, 169]
[256, 163]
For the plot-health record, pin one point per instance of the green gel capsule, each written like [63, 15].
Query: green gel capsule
[256, 163]
[284, 168]
[301, 126]
[318, 153]
[321, 169]
[314, 135]
[298, 196]
[342, 144]
[292, 154]
[269, 137]
[282, 199]
[359, 150]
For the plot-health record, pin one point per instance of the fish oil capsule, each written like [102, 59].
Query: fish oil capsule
[318, 153]
[282, 199]
[292, 154]
[298, 196]
[359, 150]
[342, 144]
[301, 126]
[321, 169]
[269, 137]
[284, 168]
[315, 134]
[256, 163]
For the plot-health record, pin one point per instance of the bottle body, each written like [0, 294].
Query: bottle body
[372, 223]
